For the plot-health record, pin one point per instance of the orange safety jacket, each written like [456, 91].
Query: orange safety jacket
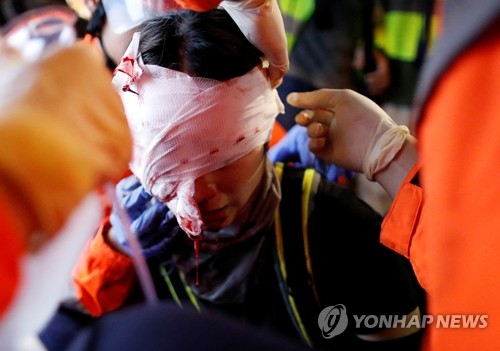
[450, 228]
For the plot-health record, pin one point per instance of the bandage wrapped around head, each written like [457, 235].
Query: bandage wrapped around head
[184, 127]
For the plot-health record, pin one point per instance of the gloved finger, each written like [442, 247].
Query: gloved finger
[136, 202]
[169, 220]
[320, 115]
[117, 233]
[127, 185]
[321, 98]
[159, 234]
[317, 130]
[317, 136]
[304, 118]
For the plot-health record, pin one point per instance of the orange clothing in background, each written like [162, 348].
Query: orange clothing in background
[13, 246]
[453, 241]
[277, 134]
[199, 5]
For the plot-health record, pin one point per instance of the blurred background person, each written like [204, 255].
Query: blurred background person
[405, 32]
[322, 37]
[57, 150]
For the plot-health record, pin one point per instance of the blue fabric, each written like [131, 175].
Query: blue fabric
[150, 219]
[294, 148]
[63, 327]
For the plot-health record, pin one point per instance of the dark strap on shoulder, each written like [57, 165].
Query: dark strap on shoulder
[293, 262]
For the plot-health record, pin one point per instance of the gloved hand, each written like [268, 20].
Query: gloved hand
[349, 129]
[262, 24]
[63, 132]
[293, 147]
[150, 219]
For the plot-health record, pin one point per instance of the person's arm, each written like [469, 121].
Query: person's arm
[262, 24]
[103, 276]
[351, 131]
[392, 177]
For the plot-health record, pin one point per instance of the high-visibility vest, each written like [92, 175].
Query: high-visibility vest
[409, 29]
[295, 14]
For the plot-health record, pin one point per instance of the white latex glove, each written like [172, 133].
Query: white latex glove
[262, 24]
[348, 129]
[63, 132]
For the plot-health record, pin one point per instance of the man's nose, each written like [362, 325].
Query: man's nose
[204, 188]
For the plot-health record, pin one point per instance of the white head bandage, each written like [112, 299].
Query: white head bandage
[184, 127]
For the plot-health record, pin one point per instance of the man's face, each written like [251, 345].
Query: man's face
[224, 194]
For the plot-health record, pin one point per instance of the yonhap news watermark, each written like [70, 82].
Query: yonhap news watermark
[333, 320]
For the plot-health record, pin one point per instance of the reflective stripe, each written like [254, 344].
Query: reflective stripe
[190, 293]
[295, 14]
[179, 280]
[307, 184]
[170, 286]
[281, 257]
[277, 225]
[402, 36]
[300, 10]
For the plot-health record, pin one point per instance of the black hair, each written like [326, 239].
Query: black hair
[202, 44]
[97, 21]
[95, 27]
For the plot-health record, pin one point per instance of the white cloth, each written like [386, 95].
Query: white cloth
[184, 127]
[46, 279]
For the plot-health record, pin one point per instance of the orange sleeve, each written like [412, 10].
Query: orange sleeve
[199, 5]
[402, 225]
[13, 246]
[103, 277]
[460, 151]
[401, 221]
